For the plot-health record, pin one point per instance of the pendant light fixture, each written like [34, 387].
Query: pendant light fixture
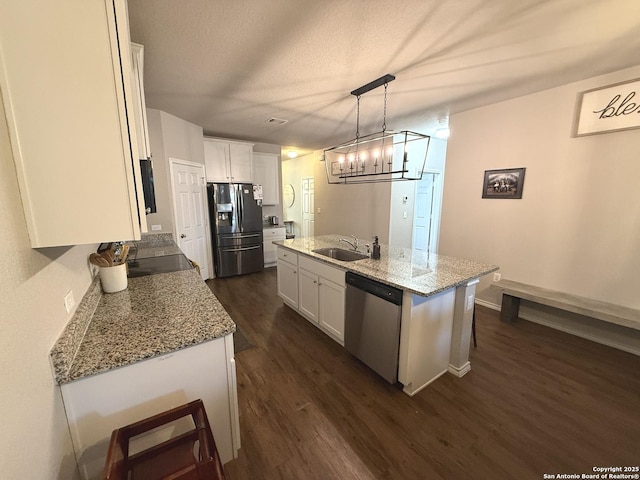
[384, 156]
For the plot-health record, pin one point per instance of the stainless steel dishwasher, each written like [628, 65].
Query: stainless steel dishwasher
[372, 324]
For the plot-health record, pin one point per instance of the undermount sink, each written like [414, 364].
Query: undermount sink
[341, 254]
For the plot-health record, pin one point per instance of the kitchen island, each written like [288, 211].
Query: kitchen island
[162, 342]
[437, 305]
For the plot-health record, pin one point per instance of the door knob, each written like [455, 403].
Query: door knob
[183, 235]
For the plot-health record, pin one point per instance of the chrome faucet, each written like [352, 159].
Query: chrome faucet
[354, 244]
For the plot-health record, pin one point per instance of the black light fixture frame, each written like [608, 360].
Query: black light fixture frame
[356, 153]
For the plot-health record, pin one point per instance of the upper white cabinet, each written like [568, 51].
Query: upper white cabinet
[139, 103]
[66, 81]
[228, 160]
[265, 173]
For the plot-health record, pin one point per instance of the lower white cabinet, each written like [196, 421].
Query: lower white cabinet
[331, 308]
[270, 235]
[319, 291]
[99, 404]
[288, 277]
[308, 295]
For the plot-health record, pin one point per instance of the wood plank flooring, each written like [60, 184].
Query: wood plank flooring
[536, 401]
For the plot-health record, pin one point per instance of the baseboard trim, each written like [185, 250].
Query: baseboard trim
[459, 371]
[540, 319]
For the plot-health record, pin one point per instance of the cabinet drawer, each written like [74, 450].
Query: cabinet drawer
[288, 256]
[322, 269]
[272, 234]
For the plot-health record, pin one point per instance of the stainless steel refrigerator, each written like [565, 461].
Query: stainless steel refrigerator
[236, 228]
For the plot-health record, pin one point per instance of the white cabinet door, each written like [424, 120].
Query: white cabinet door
[140, 105]
[331, 308]
[67, 102]
[269, 236]
[99, 404]
[265, 173]
[308, 295]
[216, 160]
[240, 160]
[288, 283]
[228, 161]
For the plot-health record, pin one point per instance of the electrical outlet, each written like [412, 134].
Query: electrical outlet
[69, 301]
[469, 305]
[497, 276]
[155, 228]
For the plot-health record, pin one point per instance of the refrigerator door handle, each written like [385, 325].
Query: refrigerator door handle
[240, 248]
[251, 235]
[240, 198]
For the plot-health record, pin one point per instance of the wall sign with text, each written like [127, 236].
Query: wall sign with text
[608, 109]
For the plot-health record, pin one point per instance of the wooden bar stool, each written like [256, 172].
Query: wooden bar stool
[189, 456]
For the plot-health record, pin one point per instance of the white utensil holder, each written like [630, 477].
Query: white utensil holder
[113, 279]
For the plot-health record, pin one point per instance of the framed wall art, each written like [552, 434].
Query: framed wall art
[504, 183]
[608, 109]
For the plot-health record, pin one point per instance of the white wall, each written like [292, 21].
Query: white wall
[577, 227]
[170, 137]
[35, 440]
[293, 171]
[361, 209]
[400, 228]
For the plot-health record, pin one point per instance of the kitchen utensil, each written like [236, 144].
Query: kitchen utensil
[109, 255]
[99, 260]
[123, 253]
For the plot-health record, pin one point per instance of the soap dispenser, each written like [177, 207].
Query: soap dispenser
[375, 254]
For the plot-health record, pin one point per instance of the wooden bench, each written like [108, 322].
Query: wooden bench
[513, 292]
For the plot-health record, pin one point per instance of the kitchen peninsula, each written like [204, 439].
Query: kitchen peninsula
[437, 304]
[162, 342]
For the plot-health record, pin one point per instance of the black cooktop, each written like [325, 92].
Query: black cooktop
[152, 265]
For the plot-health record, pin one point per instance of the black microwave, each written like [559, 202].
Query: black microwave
[146, 169]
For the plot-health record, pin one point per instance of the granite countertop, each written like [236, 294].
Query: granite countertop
[155, 315]
[418, 272]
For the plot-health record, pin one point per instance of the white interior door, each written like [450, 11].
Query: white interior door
[190, 218]
[308, 207]
[423, 221]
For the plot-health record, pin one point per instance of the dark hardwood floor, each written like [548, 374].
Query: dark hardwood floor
[536, 401]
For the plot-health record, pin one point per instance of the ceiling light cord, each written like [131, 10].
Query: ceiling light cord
[384, 111]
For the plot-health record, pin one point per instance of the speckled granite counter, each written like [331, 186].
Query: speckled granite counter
[409, 270]
[154, 245]
[155, 315]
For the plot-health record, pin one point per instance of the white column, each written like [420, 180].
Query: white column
[461, 333]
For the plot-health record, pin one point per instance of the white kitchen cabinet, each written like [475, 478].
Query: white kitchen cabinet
[288, 277]
[319, 291]
[308, 295]
[265, 173]
[228, 160]
[331, 308]
[66, 81]
[329, 292]
[140, 105]
[99, 404]
[270, 235]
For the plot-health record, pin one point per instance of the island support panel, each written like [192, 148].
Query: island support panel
[462, 321]
[425, 339]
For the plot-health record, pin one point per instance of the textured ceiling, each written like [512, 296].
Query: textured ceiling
[230, 65]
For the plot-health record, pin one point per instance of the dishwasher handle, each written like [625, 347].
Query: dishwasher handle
[380, 290]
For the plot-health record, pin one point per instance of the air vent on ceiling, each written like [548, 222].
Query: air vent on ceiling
[276, 121]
